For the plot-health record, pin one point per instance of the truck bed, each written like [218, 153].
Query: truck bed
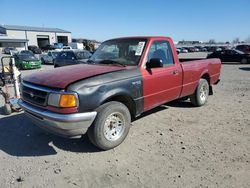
[195, 69]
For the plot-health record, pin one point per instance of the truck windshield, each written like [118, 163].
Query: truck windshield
[122, 51]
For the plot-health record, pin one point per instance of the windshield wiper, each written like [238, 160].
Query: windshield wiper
[108, 61]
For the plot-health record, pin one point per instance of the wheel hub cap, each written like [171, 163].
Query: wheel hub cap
[114, 126]
[203, 93]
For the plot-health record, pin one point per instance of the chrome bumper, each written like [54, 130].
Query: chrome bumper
[67, 125]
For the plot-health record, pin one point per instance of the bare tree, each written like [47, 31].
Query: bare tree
[236, 40]
[211, 41]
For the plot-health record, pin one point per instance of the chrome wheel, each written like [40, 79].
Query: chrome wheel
[204, 93]
[114, 126]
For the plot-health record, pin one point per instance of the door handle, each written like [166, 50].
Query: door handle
[175, 72]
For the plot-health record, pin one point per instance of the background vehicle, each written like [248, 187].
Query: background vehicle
[7, 50]
[124, 78]
[35, 49]
[71, 57]
[67, 48]
[244, 48]
[231, 56]
[49, 57]
[48, 47]
[27, 60]
[184, 50]
[58, 45]
[76, 45]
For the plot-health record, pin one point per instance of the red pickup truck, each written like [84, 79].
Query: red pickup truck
[124, 78]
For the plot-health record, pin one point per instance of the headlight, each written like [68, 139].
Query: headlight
[64, 100]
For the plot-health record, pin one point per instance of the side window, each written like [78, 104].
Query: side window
[161, 50]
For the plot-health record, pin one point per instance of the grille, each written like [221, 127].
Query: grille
[33, 95]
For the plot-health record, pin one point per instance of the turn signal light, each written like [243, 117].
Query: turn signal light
[67, 100]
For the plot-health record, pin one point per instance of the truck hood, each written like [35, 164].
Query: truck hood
[61, 77]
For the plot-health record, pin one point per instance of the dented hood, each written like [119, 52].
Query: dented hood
[63, 76]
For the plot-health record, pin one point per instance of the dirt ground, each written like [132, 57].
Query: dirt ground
[175, 145]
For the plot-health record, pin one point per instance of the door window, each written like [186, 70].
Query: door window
[161, 50]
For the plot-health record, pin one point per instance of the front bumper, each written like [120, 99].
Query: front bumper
[67, 125]
[31, 65]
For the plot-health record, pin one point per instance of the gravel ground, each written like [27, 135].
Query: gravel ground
[175, 145]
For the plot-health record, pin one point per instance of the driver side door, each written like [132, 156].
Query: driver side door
[161, 84]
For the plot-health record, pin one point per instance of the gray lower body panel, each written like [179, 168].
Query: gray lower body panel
[67, 125]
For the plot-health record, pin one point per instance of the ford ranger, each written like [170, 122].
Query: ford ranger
[124, 78]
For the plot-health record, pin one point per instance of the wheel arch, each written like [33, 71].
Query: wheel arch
[124, 99]
[207, 77]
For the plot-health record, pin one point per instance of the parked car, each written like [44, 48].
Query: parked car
[203, 49]
[8, 50]
[27, 60]
[35, 49]
[67, 48]
[244, 48]
[184, 50]
[48, 47]
[71, 57]
[58, 45]
[48, 58]
[76, 45]
[100, 98]
[231, 56]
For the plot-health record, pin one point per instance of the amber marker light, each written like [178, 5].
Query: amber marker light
[67, 100]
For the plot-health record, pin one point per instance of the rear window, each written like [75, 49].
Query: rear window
[83, 55]
[66, 55]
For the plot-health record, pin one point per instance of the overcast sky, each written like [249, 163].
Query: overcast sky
[222, 20]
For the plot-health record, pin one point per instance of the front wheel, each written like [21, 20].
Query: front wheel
[200, 96]
[111, 125]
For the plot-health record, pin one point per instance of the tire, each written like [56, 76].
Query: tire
[243, 61]
[200, 96]
[43, 62]
[111, 125]
[7, 109]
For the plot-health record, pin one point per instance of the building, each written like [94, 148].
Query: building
[21, 37]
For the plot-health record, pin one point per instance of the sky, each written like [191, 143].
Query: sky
[221, 20]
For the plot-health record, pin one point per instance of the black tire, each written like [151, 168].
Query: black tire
[244, 61]
[7, 109]
[199, 98]
[96, 132]
[43, 62]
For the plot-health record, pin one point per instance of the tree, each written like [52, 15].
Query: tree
[236, 40]
[211, 41]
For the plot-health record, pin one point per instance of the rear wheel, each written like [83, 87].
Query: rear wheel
[43, 62]
[111, 125]
[7, 109]
[200, 96]
[243, 61]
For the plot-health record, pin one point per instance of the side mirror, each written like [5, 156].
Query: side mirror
[154, 63]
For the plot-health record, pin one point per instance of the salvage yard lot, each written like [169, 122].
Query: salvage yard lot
[176, 145]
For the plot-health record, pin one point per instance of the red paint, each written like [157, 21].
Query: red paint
[162, 85]
[63, 76]
[62, 110]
